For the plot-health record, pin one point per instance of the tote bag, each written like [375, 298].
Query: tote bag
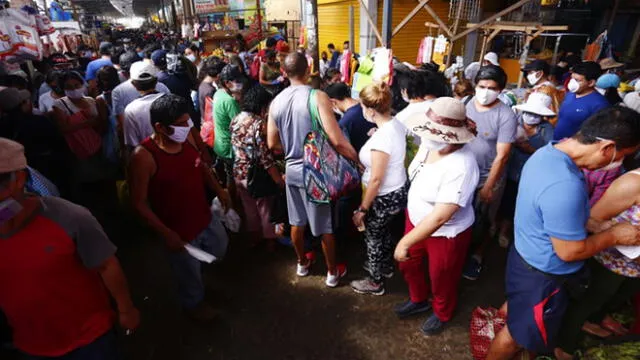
[327, 175]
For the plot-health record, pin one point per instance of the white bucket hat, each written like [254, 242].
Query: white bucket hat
[445, 122]
[537, 103]
[492, 58]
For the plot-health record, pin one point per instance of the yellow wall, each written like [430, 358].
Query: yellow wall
[333, 24]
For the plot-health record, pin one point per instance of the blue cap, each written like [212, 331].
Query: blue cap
[159, 57]
[608, 81]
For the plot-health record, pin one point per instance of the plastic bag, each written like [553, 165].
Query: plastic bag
[230, 219]
[485, 325]
[6, 48]
[25, 40]
[43, 25]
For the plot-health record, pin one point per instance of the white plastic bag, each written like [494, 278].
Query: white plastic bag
[25, 40]
[43, 25]
[230, 219]
[6, 48]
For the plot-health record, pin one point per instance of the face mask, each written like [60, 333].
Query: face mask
[364, 114]
[433, 145]
[486, 96]
[337, 111]
[141, 54]
[180, 133]
[405, 98]
[235, 87]
[573, 86]
[531, 119]
[601, 91]
[191, 57]
[9, 208]
[75, 94]
[532, 78]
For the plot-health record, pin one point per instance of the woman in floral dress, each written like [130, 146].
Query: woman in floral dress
[248, 138]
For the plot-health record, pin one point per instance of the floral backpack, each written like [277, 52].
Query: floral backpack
[327, 175]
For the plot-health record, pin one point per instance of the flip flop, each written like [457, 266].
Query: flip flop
[614, 326]
[596, 330]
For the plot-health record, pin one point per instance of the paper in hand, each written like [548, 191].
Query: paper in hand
[200, 254]
[632, 252]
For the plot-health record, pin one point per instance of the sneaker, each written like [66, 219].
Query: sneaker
[388, 273]
[201, 312]
[367, 286]
[432, 326]
[472, 269]
[303, 270]
[409, 308]
[334, 279]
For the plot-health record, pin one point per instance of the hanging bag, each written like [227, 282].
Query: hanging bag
[327, 175]
[259, 182]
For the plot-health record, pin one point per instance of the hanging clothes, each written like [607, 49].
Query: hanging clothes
[425, 51]
[440, 49]
[382, 65]
[345, 67]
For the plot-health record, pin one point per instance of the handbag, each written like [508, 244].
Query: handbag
[259, 182]
[327, 175]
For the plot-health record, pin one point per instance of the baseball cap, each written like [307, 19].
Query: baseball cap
[11, 156]
[142, 71]
[537, 65]
[159, 57]
[11, 98]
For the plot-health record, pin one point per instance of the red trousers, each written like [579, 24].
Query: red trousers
[445, 258]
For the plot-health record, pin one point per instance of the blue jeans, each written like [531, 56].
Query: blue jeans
[188, 270]
[102, 348]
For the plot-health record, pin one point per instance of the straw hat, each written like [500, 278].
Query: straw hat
[609, 63]
[537, 103]
[446, 122]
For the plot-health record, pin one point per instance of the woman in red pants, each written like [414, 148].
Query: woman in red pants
[443, 175]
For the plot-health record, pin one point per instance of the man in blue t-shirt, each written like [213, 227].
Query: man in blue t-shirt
[353, 123]
[106, 50]
[551, 239]
[581, 102]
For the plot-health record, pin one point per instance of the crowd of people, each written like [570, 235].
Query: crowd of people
[447, 165]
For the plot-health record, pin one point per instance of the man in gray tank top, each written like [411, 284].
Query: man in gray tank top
[289, 124]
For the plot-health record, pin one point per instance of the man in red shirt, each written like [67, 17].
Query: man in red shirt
[168, 190]
[57, 270]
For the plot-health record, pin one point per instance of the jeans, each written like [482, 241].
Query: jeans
[188, 270]
[102, 348]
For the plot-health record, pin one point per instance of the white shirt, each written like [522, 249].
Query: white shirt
[450, 180]
[632, 101]
[125, 93]
[137, 120]
[390, 139]
[45, 102]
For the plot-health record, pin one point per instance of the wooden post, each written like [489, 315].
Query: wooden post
[455, 30]
[613, 14]
[443, 26]
[483, 49]
[490, 19]
[312, 33]
[409, 17]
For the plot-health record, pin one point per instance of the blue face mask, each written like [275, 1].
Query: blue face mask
[141, 54]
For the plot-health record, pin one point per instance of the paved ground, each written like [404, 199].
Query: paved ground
[269, 313]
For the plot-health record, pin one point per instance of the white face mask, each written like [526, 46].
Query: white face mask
[612, 164]
[180, 133]
[405, 98]
[486, 96]
[191, 57]
[601, 91]
[364, 114]
[75, 94]
[573, 86]
[337, 111]
[235, 87]
[433, 145]
[533, 78]
[531, 119]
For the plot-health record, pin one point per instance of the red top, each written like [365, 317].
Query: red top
[177, 190]
[53, 301]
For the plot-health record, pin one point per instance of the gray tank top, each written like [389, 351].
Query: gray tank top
[290, 110]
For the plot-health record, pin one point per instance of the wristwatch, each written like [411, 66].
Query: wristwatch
[360, 209]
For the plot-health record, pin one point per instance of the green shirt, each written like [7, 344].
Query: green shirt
[225, 108]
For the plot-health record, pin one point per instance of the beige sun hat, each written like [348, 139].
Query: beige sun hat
[446, 122]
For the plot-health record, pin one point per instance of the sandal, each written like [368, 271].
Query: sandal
[596, 330]
[615, 327]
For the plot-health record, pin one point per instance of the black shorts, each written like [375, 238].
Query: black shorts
[537, 304]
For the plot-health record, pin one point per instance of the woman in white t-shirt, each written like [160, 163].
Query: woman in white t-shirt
[444, 176]
[385, 181]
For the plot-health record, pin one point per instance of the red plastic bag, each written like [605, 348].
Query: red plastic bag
[485, 325]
